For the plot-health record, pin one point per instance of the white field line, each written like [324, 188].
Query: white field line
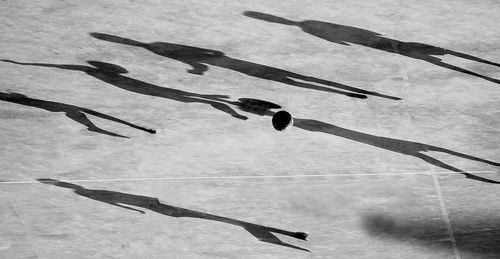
[446, 217]
[236, 177]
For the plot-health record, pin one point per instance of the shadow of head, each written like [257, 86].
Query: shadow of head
[12, 96]
[256, 106]
[108, 67]
[116, 39]
[59, 183]
[268, 18]
[481, 237]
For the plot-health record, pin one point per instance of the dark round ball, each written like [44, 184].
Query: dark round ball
[282, 120]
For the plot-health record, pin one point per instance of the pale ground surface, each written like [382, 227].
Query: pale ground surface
[370, 203]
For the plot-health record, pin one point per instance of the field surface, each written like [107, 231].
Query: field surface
[394, 151]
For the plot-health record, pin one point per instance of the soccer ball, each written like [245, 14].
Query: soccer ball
[282, 120]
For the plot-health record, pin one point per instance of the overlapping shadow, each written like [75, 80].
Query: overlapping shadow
[112, 74]
[404, 147]
[199, 58]
[73, 112]
[346, 35]
[124, 200]
[476, 237]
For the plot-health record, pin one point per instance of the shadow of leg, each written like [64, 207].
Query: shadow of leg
[224, 108]
[438, 163]
[451, 152]
[265, 236]
[470, 57]
[465, 71]
[320, 88]
[107, 117]
[346, 87]
[81, 118]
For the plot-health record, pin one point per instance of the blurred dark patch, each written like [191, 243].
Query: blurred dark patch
[125, 200]
[347, 35]
[479, 237]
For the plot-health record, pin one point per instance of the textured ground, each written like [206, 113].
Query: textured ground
[365, 178]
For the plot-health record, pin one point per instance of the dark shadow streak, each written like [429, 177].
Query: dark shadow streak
[395, 145]
[263, 233]
[73, 112]
[111, 74]
[404, 147]
[199, 58]
[476, 237]
[346, 35]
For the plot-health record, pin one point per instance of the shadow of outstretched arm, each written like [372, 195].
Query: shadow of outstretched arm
[60, 66]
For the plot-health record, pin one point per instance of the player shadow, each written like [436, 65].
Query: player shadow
[403, 147]
[347, 35]
[112, 74]
[200, 58]
[124, 200]
[479, 237]
[75, 113]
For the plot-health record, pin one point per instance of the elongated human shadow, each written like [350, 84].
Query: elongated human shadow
[111, 74]
[199, 58]
[346, 35]
[124, 200]
[477, 236]
[73, 112]
[404, 147]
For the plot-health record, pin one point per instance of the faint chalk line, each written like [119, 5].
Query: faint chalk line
[446, 217]
[28, 234]
[238, 177]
